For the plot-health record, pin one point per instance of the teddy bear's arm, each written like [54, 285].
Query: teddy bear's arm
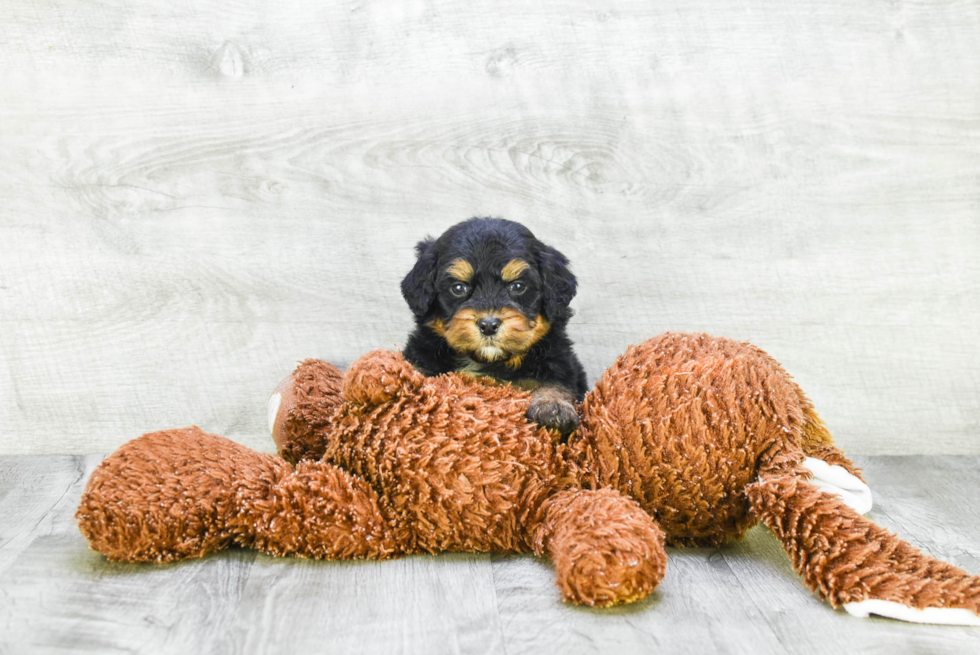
[320, 511]
[605, 548]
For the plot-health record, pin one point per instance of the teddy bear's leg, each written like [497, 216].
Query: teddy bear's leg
[302, 406]
[850, 561]
[835, 479]
[816, 441]
[832, 470]
[318, 511]
[605, 548]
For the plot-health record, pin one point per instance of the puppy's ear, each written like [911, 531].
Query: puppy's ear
[559, 284]
[419, 286]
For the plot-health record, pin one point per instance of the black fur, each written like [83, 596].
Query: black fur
[488, 244]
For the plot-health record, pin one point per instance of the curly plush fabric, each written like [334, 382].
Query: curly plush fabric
[846, 558]
[172, 495]
[412, 465]
[681, 423]
[686, 439]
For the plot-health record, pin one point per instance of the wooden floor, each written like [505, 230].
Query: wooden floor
[57, 596]
[193, 195]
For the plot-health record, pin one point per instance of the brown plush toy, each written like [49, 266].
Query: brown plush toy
[687, 437]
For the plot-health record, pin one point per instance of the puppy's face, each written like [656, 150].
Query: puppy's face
[490, 306]
[490, 289]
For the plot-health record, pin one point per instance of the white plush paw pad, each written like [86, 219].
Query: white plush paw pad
[274, 403]
[892, 610]
[834, 479]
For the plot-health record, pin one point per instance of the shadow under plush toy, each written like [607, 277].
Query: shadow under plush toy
[687, 439]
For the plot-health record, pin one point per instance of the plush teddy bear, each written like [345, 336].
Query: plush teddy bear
[687, 439]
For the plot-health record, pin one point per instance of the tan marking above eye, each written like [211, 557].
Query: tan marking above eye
[513, 269]
[461, 269]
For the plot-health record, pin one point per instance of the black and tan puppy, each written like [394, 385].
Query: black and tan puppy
[490, 299]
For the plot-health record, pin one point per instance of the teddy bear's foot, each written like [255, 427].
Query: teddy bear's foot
[605, 548]
[890, 609]
[834, 479]
[854, 563]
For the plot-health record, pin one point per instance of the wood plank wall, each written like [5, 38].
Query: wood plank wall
[195, 195]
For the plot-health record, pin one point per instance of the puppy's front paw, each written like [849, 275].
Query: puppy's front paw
[553, 412]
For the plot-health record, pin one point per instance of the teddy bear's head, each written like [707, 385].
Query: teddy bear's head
[307, 407]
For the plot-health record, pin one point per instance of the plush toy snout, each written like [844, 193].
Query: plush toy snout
[378, 377]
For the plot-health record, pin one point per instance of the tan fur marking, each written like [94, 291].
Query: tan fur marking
[437, 326]
[461, 269]
[513, 269]
[515, 362]
[462, 332]
[517, 334]
[512, 340]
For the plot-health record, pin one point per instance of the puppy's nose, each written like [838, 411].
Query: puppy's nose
[488, 325]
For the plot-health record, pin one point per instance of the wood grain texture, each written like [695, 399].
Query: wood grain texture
[57, 596]
[35, 491]
[746, 598]
[410, 607]
[192, 197]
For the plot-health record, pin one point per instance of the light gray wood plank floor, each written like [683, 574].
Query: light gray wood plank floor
[195, 195]
[58, 596]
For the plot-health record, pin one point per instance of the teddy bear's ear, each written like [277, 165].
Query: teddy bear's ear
[379, 376]
[419, 286]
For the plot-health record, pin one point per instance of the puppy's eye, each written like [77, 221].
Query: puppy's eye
[459, 289]
[517, 288]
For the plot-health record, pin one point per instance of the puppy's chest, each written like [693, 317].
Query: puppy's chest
[467, 366]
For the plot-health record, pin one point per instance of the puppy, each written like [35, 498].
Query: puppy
[491, 300]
